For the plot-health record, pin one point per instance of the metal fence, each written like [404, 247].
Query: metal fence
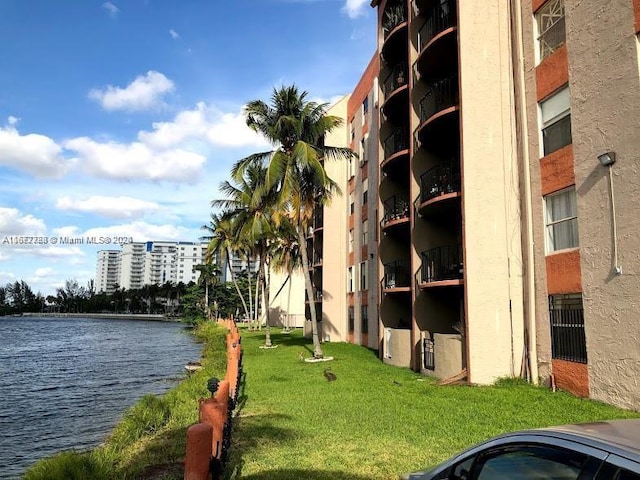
[441, 94]
[442, 179]
[396, 274]
[442, 263]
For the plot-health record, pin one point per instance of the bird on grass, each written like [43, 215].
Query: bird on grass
[330, 376]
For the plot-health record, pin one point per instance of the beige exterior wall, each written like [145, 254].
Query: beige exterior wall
[288, 307]
[491, 221]
[334, 258]
[604, 80]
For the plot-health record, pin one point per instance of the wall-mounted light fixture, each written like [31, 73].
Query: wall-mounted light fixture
[607, 159]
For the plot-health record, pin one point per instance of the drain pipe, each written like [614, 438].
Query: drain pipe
[521, 131]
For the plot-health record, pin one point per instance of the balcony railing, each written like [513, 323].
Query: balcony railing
[396, 142]
[397, 274]
[393, 16]
[442, 179]
[395, 208]
[396, 79]
[439, 18]
[317, 294]
[441, 263]
[317, 259]
[441, 94]
[318, 218]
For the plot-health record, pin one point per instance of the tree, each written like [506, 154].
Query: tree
[209, 275]
[250, 203]
[221, 241]
[297, 128]
[286, 257]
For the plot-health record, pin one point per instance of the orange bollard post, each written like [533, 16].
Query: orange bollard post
[198, 455]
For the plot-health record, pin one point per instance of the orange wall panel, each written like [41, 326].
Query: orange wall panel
[636, 11]
[556, 170]
[571, 376]
[563, 272]
[536, 4]
[552, 73]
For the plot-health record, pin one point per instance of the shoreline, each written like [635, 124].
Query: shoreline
[103, 316]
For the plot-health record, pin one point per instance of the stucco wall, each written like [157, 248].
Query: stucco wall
[604, 81]
[490, 181]
[290, 300]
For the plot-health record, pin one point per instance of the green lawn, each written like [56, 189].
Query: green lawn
[374, 421]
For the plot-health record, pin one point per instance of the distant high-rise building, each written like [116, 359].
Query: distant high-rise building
[107, 270]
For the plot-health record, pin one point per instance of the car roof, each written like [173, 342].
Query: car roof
[621, 437]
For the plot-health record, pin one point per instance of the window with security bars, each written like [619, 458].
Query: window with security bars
[364, 318]
[351, 316]
[561, 220]
[551, 27]
[428, 353]
[568, 340]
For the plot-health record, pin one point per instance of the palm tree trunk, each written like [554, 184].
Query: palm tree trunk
[256, 299]
[265, 296]
[317, 349]
[235, 284]
[206, 299]
[288, 321]
[251, 308]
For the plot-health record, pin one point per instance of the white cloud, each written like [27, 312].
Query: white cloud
[13, 222]
[136, 161]
[113, 207]
[42, 273]
[355, 8]
[6, 277]
[144, 93]
[204, 123]
[111, 8]
[12, 120]
[35, 154]
[175, 35]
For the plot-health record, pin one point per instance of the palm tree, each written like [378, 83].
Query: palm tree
[209, 274]
[250, 203]
[296, 127]
[221, 241]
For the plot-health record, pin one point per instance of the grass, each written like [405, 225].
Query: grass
[373, 422]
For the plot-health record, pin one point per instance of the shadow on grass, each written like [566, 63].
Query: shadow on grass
[287, 474]
[253, 431]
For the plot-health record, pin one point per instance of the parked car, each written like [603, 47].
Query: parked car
[592, 451]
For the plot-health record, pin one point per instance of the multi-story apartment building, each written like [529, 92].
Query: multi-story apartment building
[107, 270]
[508, 181]
[132, 265]
[346, 292]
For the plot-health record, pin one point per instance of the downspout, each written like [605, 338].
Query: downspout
[521, 132]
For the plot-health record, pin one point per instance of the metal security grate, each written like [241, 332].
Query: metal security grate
[568, 341]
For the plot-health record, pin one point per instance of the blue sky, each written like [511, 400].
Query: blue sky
[120, 118]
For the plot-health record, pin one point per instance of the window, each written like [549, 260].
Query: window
[566, 315]
[365, 232]
[551, 27]
[351, 314]
[350, 279]
[350, 241]
[531, 462]
[364, 318]
[363, 275]
[352, 206]
[561, 220]
[353, 130]
[363, 151]
[556, 121]
[365, 191]
[365, 108]
[351, 173]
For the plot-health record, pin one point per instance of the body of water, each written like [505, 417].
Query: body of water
[64, 383]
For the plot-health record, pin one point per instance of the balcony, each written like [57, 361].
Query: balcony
[397, 275]
[396, 93]
[439, 183]
[396, 210]
[317, 259]
[442, 94]
[394, 15]
[395, 32]
[441, 265]
[394, 147]
[440, 17]
[318, 218]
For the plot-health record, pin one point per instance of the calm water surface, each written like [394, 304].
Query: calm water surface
[64, 383]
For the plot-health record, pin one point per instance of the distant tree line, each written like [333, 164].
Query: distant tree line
[191, 301]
